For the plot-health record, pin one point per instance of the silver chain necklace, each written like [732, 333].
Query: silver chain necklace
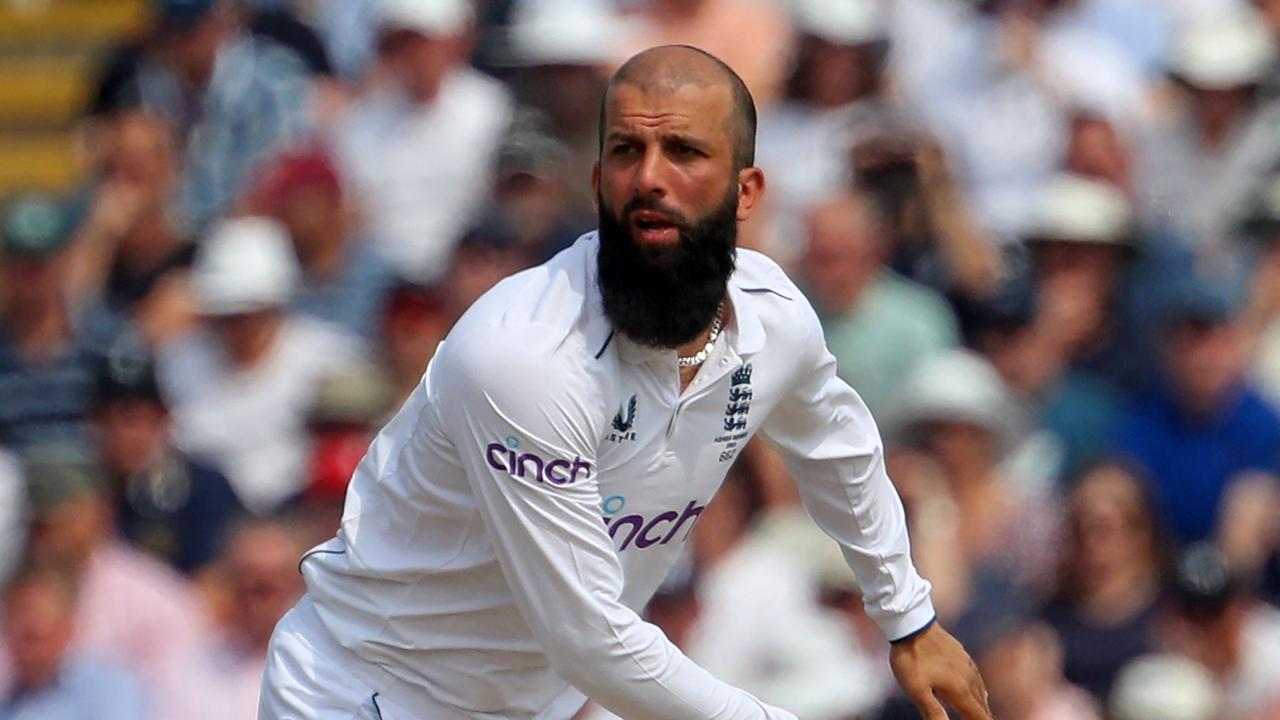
[701, 356]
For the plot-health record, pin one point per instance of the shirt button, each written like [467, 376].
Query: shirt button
[724, 361]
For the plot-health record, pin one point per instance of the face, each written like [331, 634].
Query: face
[193, 51]
[420, 63]
[130, 432]
[315, 219]
[1110, 522]
[566, 93]
[1204, 362]
[262, 564]
[247, 336]
[32, 284]
[832, 75]
[37, 629]
[68, 532]
[846, 248]
[670, 198]
[960, 447]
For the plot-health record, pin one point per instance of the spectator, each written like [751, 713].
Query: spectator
[260, 569]
[1231, 635]
[233, 97]
[563, 51]
[49, 681]
[764, 568]
[1104, 608]
[486, 254]
[415, 210]
[1082, 248]
[1209, 153]
[837, 80]
[751, 36]
[129, 250]
[165, 502]
[1022, 664]
[239, 384]
[1204, 425]
[997, 81]
[878, 324]
[1073, 411]
[129, 608]
[983, 529]
[348, 408]
[416, 320]
[48, 346]
[343, 279]
[532, 192]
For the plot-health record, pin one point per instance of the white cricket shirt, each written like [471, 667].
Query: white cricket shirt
[506, 527]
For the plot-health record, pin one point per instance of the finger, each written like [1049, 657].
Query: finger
[927, 704]
[965, 701]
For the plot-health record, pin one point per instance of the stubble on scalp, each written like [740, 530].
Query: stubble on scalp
[666, 69]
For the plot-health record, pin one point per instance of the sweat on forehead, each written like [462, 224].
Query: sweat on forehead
[668, 68]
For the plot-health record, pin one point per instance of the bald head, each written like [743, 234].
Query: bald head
[666, 69]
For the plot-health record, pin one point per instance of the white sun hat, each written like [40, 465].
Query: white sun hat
[564, 32]
[1081, 209]
[958, 386]
[843, 22]
[246, 264]
[1226, 50]
[1167, 687]
[429, 17]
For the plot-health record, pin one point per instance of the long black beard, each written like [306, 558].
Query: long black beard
[664, 296]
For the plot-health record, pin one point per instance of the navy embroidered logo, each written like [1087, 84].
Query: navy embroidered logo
[735, 412]
[624, 421]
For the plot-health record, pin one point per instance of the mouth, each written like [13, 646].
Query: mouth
[652, 227]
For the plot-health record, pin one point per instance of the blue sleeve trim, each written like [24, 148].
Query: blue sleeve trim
[932, 621]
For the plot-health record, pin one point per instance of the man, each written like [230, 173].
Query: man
[48, 679]
[507, 525]
[238, 385]
[418, 153]
[48, 347]
[164, 501]
[164, 627]
[261, 583]
[234, 96]
[878, 324]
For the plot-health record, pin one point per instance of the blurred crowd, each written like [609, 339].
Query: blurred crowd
[1043, 237]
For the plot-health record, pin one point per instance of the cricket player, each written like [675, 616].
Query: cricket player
[508, 525]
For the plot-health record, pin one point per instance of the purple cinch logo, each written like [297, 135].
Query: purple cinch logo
[644, 531]
[504, 456]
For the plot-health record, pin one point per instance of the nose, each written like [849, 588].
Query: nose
[650, 177]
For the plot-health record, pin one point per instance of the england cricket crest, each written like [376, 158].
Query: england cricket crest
[735, 412]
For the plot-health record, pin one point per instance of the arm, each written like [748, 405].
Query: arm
[547, 532]
[830, 443]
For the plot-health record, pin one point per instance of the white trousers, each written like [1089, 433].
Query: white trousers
[309, 676]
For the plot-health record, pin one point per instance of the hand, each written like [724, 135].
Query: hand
[933, 666]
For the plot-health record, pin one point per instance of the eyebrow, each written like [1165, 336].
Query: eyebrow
[675, 137]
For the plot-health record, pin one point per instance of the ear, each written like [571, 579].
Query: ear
[595, 181]
[750, 191]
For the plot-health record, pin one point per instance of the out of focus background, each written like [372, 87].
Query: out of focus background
[1043, 237]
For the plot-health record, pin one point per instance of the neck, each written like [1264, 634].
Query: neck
[153, 251]
[1118, 595]
[323, 263]
[40, 331]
